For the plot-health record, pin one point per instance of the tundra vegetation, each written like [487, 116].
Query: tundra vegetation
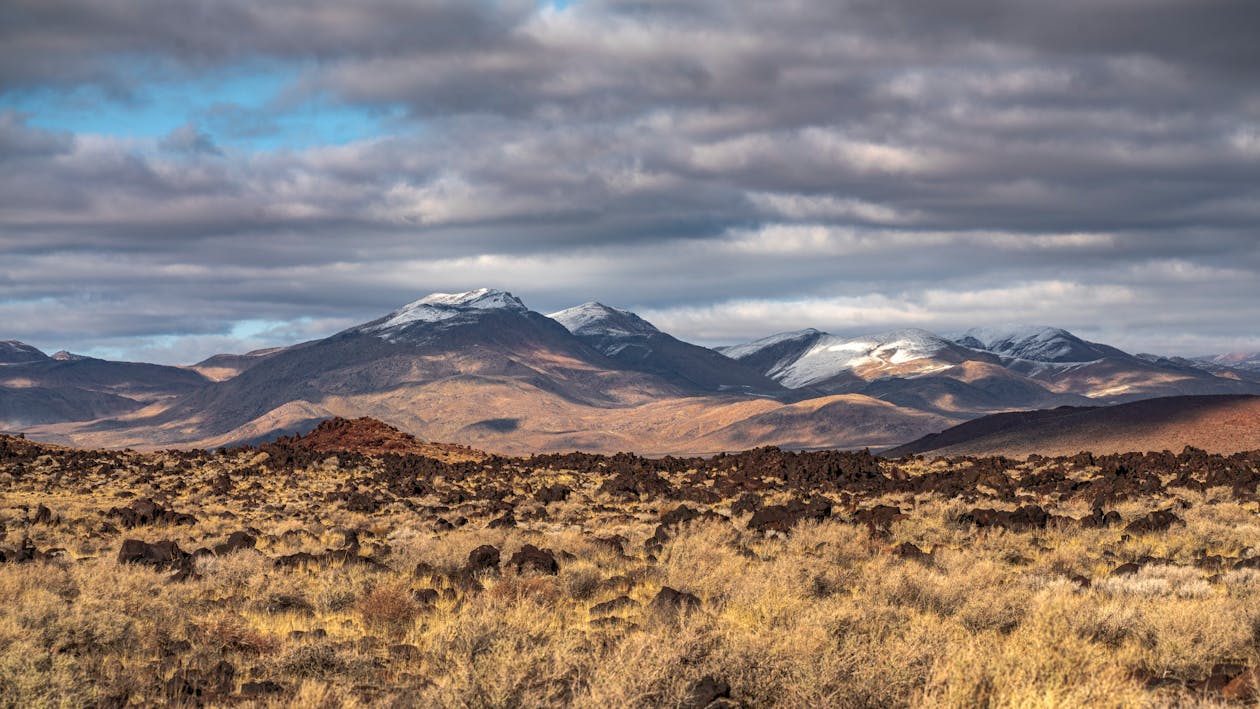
[283, 575]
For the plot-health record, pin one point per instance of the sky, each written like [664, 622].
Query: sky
[179, 179]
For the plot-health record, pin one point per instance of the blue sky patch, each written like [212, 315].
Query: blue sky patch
[246, 107]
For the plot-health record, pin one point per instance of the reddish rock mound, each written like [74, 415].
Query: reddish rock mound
[369, 436]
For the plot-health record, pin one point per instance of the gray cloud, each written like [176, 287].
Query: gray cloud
[190, 138]
[733, 168]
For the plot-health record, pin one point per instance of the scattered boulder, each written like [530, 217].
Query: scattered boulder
[705, 692]
[632, 485]
[531, 558]
[672, 601]
[236, 541]
[782, 518]
[747, 502]
[262, 688]
[553, 493]
[165, 554]
[617, 604]
[1157, 521]
[425, 596]
[1027, 517]
[615, 543]
[507, 521]
[43, 515]
[145, 512]
[483, 558]
[1100, 520]
[879, 519]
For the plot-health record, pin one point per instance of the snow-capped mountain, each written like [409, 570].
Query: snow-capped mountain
[481, 368]
[636, 344]
[809, 358]
[597, 319]
[1247, 361]
[14, 352]
[905, 353]
[449, 308]
[1068, 364]
[773, 353]
[1047, 345]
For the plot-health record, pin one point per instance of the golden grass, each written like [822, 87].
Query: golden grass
[825, 616]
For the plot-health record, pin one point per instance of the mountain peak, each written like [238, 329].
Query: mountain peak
[595, 318]
[1034, 343]
[15, 352]
[749, 349]
[479, 299]
[438, 307]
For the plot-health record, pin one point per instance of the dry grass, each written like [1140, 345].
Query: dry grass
[825, 616]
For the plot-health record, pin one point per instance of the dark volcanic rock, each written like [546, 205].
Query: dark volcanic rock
[669, 601]
[782, 518]
[261, 688]
[235, 542]
[531, 558]
[706, 691]
[616, 604]
[1100, 520]
[879, 518]
[507, 521]
[636, 484]
[483, 558]
[162, 555]
[1028, 517]
[553, 493]
[145, 512]
[1157, 521]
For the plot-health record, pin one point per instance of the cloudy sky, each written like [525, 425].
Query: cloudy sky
[184, 178]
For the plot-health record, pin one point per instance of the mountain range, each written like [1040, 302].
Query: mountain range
[480, 368]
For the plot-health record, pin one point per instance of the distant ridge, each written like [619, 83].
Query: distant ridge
[1217, 424]
[480, 368]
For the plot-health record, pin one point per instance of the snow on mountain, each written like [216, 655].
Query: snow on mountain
[439, 307]
[14, 352]
[831, 356]
[635, 344]
[595, 318]
[751, 348]
[1049, 345]
[1237, 360]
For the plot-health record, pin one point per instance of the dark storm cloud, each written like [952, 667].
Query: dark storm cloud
[731, 167]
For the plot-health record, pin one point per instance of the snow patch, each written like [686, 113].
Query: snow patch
[1045, 345]
[438, 307]
[597, 319]
[751, 348]
[831, 356]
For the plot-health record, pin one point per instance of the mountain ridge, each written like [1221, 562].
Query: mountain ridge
[480, 368]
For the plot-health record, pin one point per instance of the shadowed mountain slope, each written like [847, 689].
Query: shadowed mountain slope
[1218, 424]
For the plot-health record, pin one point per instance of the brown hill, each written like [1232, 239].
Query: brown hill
[1218, 424]
[372, 437]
